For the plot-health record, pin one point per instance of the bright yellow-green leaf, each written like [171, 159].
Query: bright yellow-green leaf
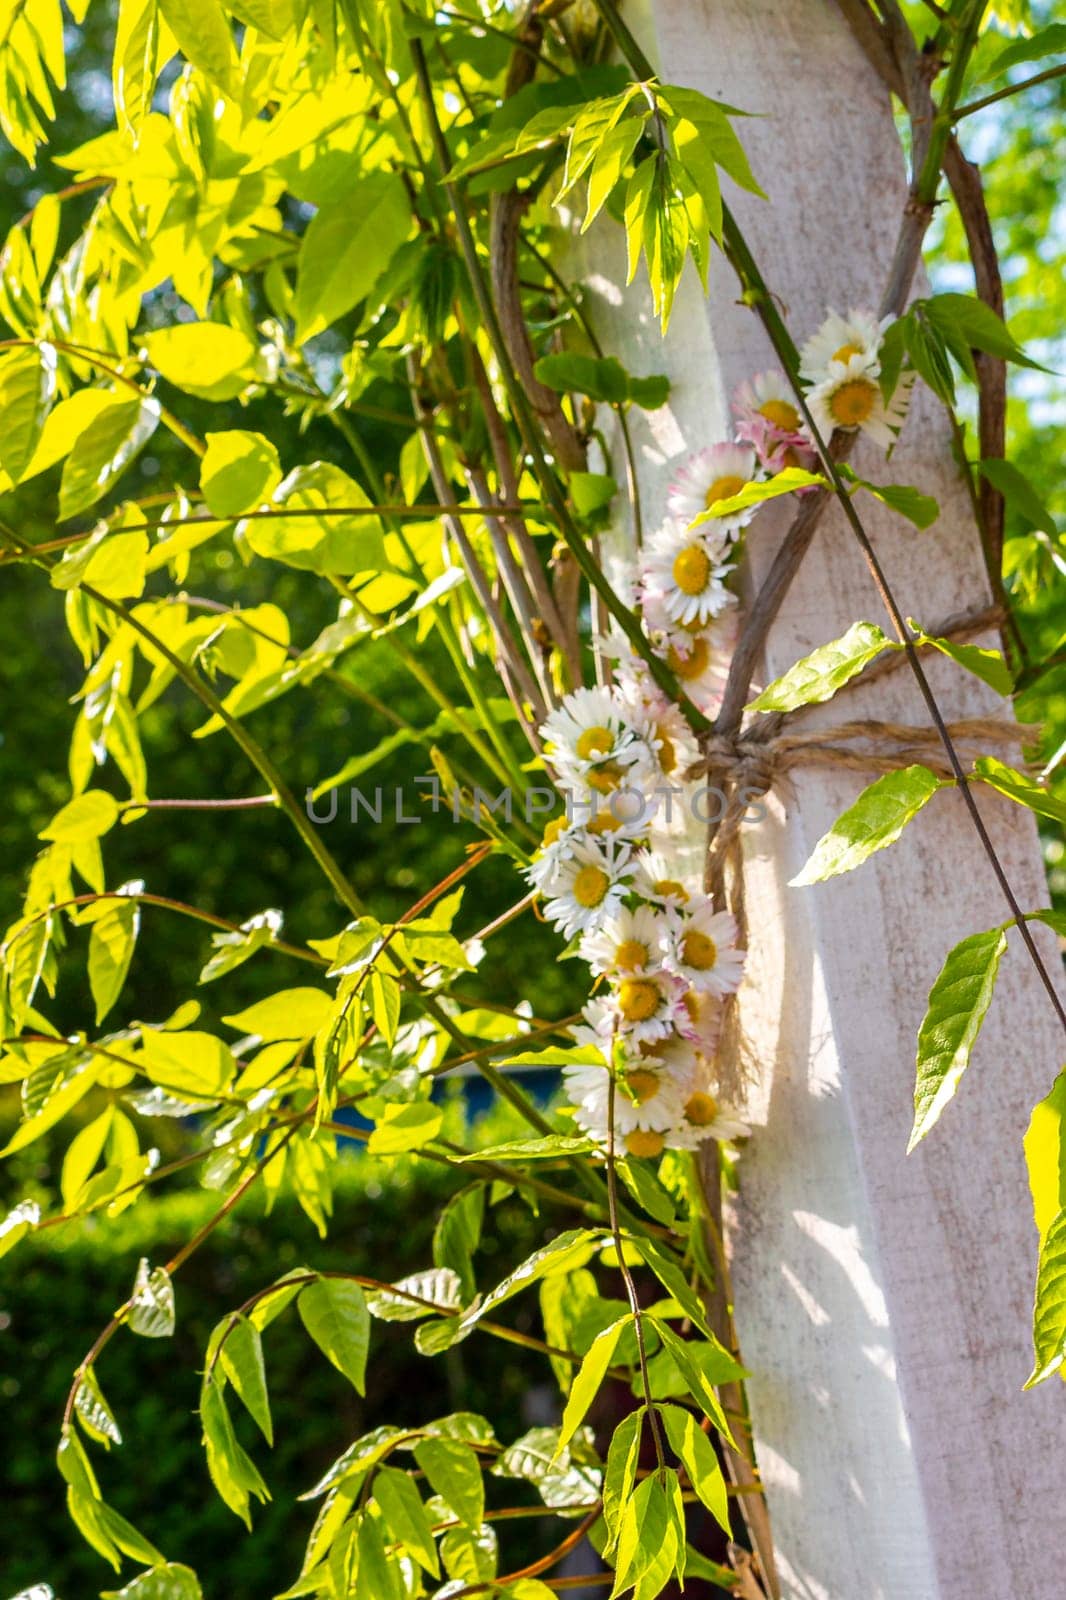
[104, 450]
[187, 1062]
[876, 820]
[346, 248]
[1049, 1313]
[342, 540]
[90, 816]
[289, 1014]
[27, 388]
[208, 359]
[587, 1381]
[454, 1473]
[818, 676]
[958, 1004]
[143, 44]
[83, 1152]
[240, 471]
[111, 944]
[405, 1127]
[203, 35]
[1045, 1156]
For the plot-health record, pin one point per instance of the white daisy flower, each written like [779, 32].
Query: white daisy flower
[676, 1056]
[841, 340]
[590, 742]
[701, 1021]
[645, 1006]
[702, 948]
[765, 405]
[588, 886]
[705, 1117]
[643, 1100]
[558, 843]
[716, 473]
[850, 397]
[700, 659]
[683, 574]
[629, 942]
[665, 729]
[655, 880]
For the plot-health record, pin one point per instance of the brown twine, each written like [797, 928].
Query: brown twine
[750, 764]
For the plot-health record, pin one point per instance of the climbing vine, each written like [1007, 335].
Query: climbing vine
[363, 217]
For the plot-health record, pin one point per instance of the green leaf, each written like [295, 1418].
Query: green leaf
[647, 1191]
[233, 1472]
[143, 44]
[241, 1355]
[27, 389]
[920, 509]
[818, 676]
[699, 1385]
[20, 1220]
[151, 1308]
[240, 471]
[454, 1472]
[171, 1581]
[988, 665]
[1049, 1312]
[90, 816]
[346, 248]
[406, 1517]
[458, 1234]
[965, 321]
[715, 130]
[753, 494]
[647, 1538]
[696, 1453]
[1045, 1156]
[621, 1472]
[289, 1014]
[613, 155]
[204, 38]
[587, 1381]
[405, 1127]
[440, 1287]
[110, 560]
[385, 998]
[958, 1003]
[1016, 786]
[334, 1313]
[601, 378]
[548, 1147]
[93, 1411]
[1049, 41]
[1018, 492]
[208, 359]
[875, 821]
[187, 1062]
[59, 1102]
[342, 540]
[111, 945]
[103, 452]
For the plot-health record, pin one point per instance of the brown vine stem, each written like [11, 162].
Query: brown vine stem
[526, 421]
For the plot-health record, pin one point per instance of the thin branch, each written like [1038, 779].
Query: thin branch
[1011, 89]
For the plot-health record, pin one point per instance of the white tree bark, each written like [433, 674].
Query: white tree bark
[882, 1300]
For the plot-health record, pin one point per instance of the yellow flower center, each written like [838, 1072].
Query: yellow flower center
[667, 753]
[590, 886]
[629, 954]
[701, 1109]
[595, 742]
[781, 415]
[691, 569]
[699, 951]
[723, 489]
[852, 403]
[642, 1142]
[668, 887]
[691, 1003]
[638, 999]
[846, 351]
[552, 831]
[694, 665]
[606, 778]
[604, 822]
[642, 1086]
